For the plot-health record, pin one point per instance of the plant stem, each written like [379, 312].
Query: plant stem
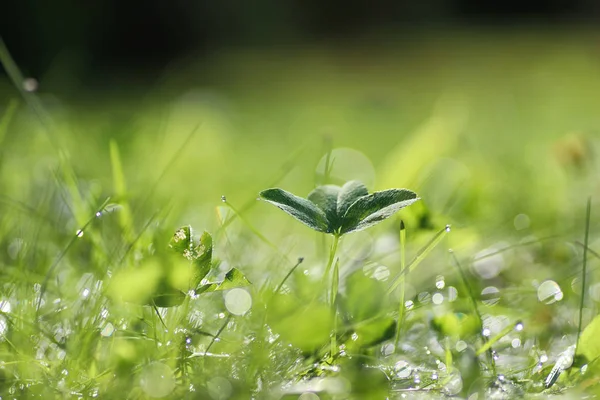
[334, 288]
[584, 272]
[402, 282]
[332, 251]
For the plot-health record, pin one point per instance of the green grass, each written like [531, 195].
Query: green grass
[496, 133]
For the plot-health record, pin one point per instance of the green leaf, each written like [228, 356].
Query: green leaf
[182, 241]
[326, 198]
[301, 209]
[374, 208]
[589, 345]
[331, 209]
[348, 194]
[233, 279]
[203, 261]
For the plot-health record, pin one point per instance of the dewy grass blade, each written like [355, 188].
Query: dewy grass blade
[419, 257]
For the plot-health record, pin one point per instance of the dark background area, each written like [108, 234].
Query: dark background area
[99, 37]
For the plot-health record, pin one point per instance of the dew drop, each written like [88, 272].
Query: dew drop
[388, 349]
[224, 199]
[452, 293]
[461, 346]
[437, 298]
[79, 233]
[486, 332]
[98, 214]
[85, 293]
[157, 380]
[440, 283]
[521, 222]
[447, 228]
[238, 301]
[516, 343]
[354, 337]
[409, 304]
[381, 273]
[108, 330]
[490, 295]
[549, 292]
[519, 326]
[403, 369]
[30, 84]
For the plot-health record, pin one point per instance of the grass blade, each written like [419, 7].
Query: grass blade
[584, 271]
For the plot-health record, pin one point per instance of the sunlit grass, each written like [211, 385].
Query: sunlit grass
[496, 135]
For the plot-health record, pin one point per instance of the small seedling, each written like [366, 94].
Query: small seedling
[339, 210]
[201, 260]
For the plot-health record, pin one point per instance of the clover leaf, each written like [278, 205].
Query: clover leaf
[340, 210]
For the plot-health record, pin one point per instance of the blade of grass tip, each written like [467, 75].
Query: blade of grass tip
[402, 283]
[588, 214]
[62, 254]
[419, 257]
[31, 99]
[7, 117]
[290, 272]
[469, 291]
